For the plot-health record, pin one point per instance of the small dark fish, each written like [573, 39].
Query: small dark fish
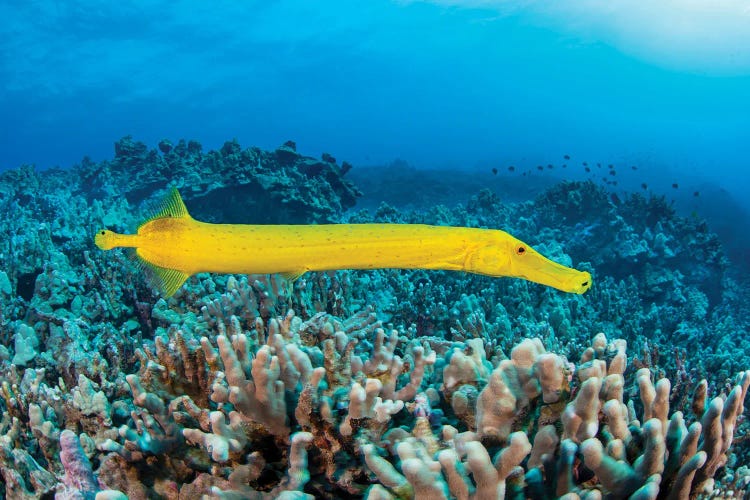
[524, 174]
[567, 157]
[494, 170]
[696, 193]
[611, 166]
[675, 186]
[634, 167]
[599, 165]
[615, 199]
[588, 169]
[614, 183]
[512, 168]
[585, 164]
[550, 166]
[612, 172]
[644, 185]
[565, 165]
[539, 167]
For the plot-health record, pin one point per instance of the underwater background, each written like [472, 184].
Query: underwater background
[613, 138]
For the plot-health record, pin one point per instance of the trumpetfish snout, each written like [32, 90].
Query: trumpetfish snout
[175, 246]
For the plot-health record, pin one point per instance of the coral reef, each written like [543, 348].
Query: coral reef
[382, 384]
[230, 185]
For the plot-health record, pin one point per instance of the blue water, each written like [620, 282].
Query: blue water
[432, 83]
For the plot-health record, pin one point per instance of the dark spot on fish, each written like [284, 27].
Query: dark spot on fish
[696, 193]
[675, 186]
[567, 157]
[512, 168]
[644, 185]
[494, 170]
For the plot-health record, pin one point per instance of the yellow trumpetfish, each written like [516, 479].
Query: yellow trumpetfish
[176, 246]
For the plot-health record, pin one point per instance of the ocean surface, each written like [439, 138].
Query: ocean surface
[383, 250]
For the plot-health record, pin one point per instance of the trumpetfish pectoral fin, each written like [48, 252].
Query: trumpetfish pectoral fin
[292, 276]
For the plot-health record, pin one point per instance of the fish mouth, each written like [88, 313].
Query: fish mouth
[562, 278]
[580, 284]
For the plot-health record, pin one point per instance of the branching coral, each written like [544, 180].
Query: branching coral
[335, 406]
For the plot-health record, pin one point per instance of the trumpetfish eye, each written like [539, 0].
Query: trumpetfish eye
[521, 250]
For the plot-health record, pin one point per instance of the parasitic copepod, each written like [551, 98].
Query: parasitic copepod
[175, 246]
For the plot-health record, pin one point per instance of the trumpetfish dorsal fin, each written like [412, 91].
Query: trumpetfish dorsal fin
[165, 279]
[171, 206]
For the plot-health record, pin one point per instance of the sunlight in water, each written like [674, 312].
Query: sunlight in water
[701, 36]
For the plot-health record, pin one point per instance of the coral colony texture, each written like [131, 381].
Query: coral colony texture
[380, 384]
